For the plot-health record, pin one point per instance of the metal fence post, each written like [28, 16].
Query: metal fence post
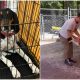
[68, 12]
[43, 27]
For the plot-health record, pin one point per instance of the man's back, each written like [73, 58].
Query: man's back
[68, 25]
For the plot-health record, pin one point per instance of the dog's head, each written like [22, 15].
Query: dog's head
[8, 20]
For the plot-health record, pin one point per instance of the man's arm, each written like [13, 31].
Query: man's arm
[77, 33]
[70, 33]
[74, 34]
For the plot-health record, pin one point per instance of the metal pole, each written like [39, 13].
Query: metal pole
[68, 12]
[43, 27]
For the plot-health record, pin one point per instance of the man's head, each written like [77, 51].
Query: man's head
[77, 19]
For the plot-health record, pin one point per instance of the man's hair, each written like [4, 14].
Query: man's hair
[78, 13]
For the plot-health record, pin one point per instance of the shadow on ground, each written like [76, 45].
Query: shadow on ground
[52, 65]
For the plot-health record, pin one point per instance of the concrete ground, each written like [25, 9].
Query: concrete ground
[52, 62]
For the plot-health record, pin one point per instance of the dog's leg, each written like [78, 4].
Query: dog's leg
[14, 71]
[5, 44]
[28, 60]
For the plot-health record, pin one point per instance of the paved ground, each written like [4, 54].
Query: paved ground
[52, 65]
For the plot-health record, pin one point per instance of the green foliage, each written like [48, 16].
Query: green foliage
[51, 4]
[60, 4]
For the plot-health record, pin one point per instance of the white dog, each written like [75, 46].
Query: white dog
[7, 42]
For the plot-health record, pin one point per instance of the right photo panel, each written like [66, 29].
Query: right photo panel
[60, 39]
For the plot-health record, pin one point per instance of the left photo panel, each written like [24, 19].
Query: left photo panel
[19, 39]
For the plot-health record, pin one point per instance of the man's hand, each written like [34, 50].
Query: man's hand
[77, 39]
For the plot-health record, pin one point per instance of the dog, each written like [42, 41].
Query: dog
[9, 27]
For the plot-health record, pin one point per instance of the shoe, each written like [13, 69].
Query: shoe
[72, 60]
[67, 62]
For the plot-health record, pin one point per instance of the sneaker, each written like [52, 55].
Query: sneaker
[67, 62]
[72, 60]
